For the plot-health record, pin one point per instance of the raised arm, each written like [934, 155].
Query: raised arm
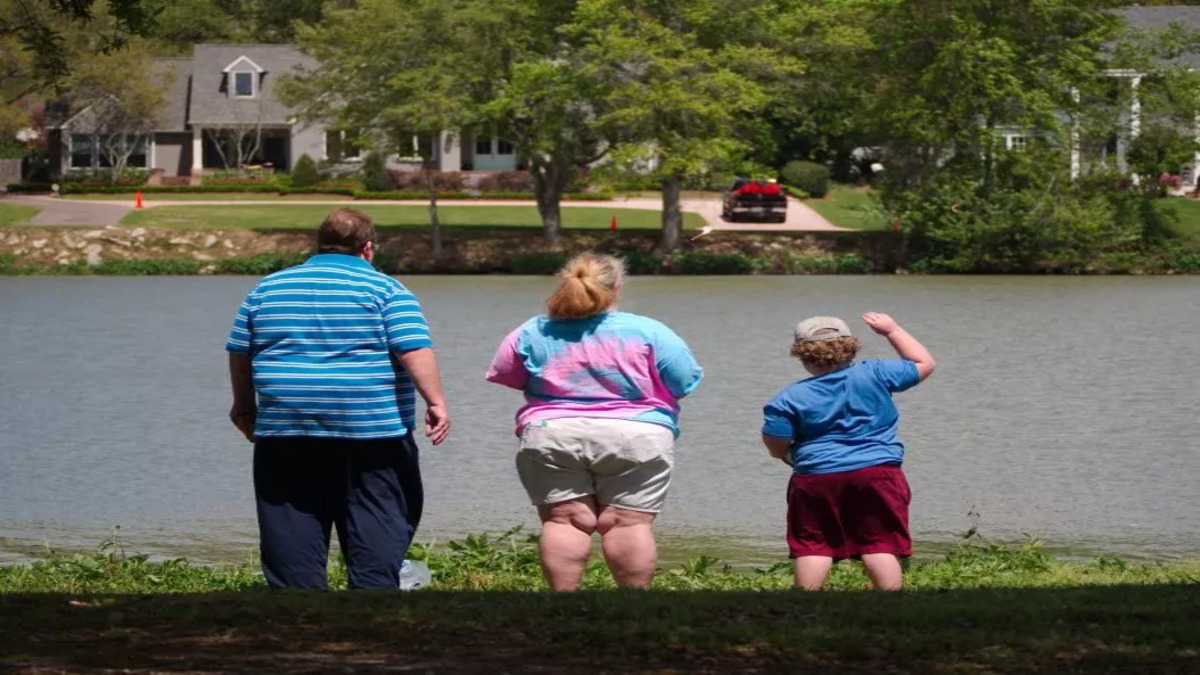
[906, 346]
[422, 366]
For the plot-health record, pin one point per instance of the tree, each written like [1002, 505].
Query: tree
[118, 97]
[239, 141]
[673, 93]
[42, 28]
[394, 70]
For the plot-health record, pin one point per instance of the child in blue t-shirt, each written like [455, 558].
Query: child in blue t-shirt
[848, 497]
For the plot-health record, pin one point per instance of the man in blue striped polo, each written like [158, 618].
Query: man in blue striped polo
[326, 359]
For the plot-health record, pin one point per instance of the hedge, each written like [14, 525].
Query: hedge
[24, 188]
[76, 189]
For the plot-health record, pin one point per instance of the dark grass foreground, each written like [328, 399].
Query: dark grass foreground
[1101, 629]
[984, 608]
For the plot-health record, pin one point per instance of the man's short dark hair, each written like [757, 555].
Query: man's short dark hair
[345, 231]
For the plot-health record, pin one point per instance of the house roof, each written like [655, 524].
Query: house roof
[210, 101]
[178, 71]
[1158, 19]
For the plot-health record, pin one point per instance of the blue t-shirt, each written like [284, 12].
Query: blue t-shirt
[320, 337]
[844, 420]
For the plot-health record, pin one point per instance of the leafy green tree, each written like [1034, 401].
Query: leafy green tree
[673, 94]
[42, 28]
[395, 70]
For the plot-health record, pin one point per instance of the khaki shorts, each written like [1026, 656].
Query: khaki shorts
[623, 463]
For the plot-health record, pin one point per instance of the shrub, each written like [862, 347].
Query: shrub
[811, 177]
[131, 268]
[304, 173]
[240, 178]
[261, 264]
[130, 176]
[375, 174]
[506, 181]
[705, 262]
[28, 187]
[640, 262]
[548, 262]
[826, 263]
[443, 181]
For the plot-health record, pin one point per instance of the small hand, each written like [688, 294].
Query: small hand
[880, 323]
[437, 423]
[244, 421]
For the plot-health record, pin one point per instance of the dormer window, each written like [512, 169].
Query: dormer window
[243, 78]
[243, 84]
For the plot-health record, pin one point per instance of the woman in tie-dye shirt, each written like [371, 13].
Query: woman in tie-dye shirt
[598, 427]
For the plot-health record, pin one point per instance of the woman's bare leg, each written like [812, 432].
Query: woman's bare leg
[627, 539]
[566, 542]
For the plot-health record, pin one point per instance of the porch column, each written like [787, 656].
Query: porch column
[1135, 107]
[451, 152]
[197, 151]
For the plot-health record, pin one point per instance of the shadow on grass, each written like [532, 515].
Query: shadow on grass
[1099, 629]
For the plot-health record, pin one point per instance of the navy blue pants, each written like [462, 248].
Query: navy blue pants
[370, 490]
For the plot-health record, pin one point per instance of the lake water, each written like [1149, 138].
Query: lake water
[1063, 408]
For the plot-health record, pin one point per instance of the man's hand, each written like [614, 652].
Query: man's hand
[244, 421]
[437, 423]
[880, 323]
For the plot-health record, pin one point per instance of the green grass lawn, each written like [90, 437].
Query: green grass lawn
[405, 215]
[16, 214]
[207, 197]
[1189, 216]
[850, 207]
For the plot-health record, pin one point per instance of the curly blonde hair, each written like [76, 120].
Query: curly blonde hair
[827, 354]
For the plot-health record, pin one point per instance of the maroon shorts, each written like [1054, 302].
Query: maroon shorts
[846, 514]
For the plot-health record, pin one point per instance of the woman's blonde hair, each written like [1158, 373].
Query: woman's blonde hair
[587, 286]
[824, 354]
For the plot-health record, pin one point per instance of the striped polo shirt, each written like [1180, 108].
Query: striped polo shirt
[320, 337]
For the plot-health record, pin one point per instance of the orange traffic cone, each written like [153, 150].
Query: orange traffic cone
[612, 224]
[137, 204]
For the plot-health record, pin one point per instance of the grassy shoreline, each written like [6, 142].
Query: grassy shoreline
[982, 609]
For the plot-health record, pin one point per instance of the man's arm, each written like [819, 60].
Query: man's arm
[245, 407]
[422, 366]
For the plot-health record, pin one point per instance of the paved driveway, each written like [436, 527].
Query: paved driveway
[57, 211]
[98, 212]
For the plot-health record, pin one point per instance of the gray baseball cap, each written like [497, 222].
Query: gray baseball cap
[821, 328]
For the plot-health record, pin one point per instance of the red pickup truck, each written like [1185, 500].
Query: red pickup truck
[759, 199]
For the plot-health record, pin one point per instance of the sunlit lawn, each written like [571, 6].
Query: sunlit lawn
[850, 207]
[1189, 216]
[16, 214]
[406, 215]
[208, 197]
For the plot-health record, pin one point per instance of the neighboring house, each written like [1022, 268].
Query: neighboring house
[224, 96]
[1146, 21]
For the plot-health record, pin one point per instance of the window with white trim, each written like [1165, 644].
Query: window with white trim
[243, 84]
[483, 146]
[503, 147]
[343, 146]
[1015, 142]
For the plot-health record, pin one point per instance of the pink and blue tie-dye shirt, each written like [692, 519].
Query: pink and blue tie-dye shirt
[614, 365]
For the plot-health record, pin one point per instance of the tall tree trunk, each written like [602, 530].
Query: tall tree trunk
[672, 213]
[549, 182]
[436, 239]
